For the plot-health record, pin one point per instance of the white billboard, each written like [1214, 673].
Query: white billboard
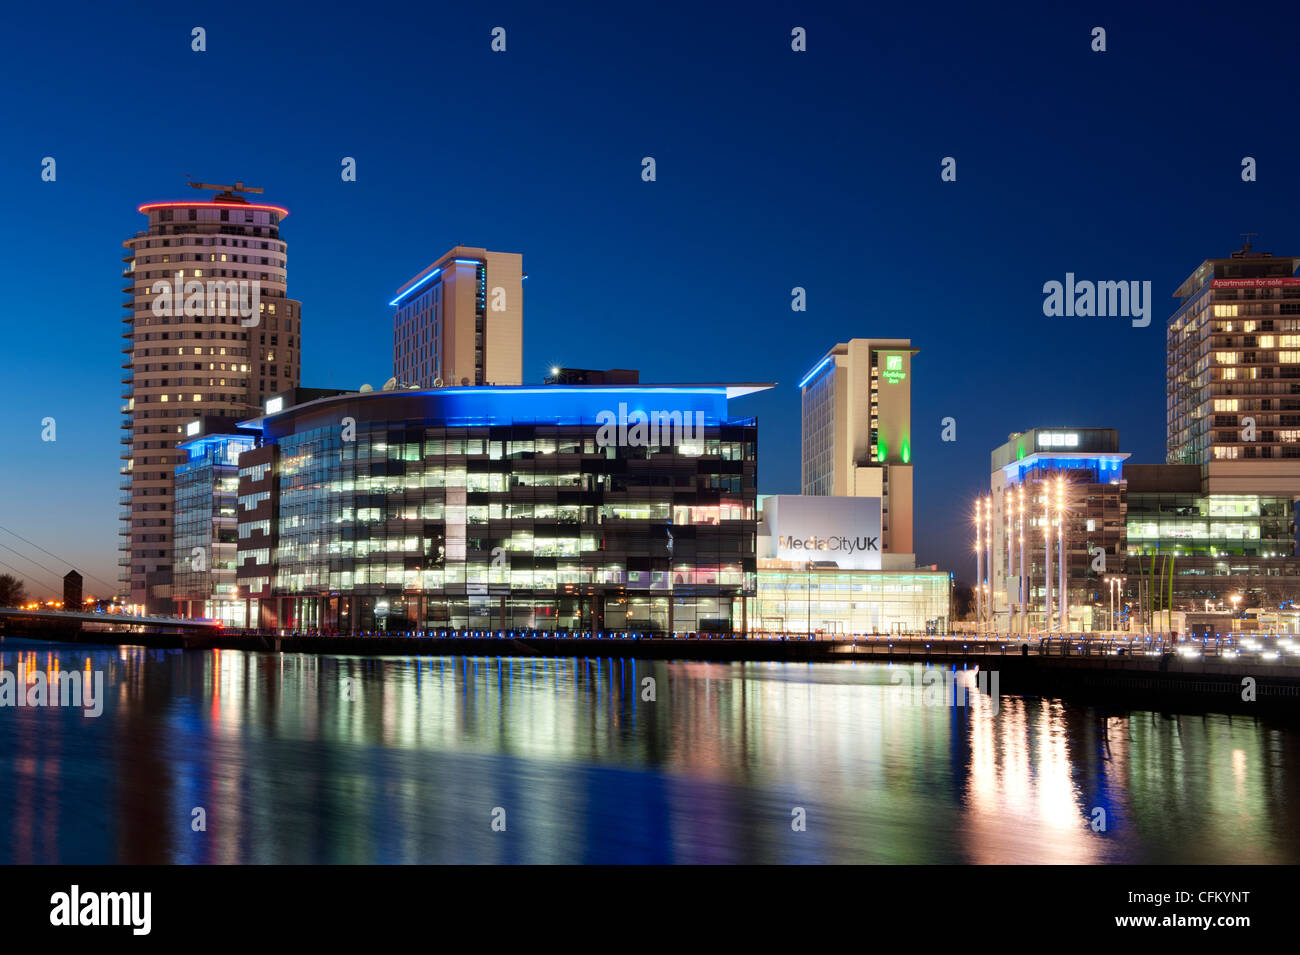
[845, 530]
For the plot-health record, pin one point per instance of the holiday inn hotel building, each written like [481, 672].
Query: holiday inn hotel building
[857, 433]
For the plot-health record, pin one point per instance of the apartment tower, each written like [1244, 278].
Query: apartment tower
[208, 332]
[461, 321]
[1233, 374]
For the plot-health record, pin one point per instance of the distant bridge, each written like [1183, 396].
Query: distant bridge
[111, 619]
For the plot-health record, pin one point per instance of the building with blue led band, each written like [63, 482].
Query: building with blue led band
[560, 507]
[204, 502]
[1170, 539]
[460, 321]
[1065, 485]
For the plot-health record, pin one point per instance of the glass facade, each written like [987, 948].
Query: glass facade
[204, 553]
[1066, 486]
[1213, 525]
[1215, 546]
[819, 433]
[418, 524]
[833, 601]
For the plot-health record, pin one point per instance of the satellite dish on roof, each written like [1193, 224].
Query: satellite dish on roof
[390, 384]
[364, 388]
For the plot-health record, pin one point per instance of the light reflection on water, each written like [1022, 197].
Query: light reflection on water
[308, 759]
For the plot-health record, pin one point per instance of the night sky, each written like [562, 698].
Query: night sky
[775, 169]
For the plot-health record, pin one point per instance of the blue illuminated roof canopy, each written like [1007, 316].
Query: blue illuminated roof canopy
[521, 404]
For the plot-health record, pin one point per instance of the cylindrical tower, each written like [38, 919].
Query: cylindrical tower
[208, 332]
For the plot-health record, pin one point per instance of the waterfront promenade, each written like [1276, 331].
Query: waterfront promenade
[1233, 672]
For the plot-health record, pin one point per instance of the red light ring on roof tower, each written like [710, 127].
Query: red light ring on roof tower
[212, 205]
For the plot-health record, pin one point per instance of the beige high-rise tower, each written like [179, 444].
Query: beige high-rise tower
[208, 332]
[857, 432]
[461, 321]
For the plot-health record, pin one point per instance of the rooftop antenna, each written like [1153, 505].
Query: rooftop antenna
[1247, 236]
[225, 193]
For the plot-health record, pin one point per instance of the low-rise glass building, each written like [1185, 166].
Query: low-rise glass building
[806, 598]
[1214, 546]
[553, 507]
[204, 535]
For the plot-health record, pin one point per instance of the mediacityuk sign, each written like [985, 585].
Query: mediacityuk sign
[845, 530]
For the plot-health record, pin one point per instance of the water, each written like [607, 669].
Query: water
[306, 759]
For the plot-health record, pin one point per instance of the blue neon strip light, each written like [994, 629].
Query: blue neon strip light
[491, 405]
[422, 281]
[813, 374]
[431, 275]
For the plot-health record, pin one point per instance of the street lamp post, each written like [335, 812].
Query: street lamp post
[1011, 551]
[1047, 559]
[979, 564]
[807, 592]
[1110, 589]
[1062, 603]
[1024, 567]
[988, 543]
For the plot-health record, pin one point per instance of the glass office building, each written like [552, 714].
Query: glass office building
[1213, 525]
[832, 601]
[560, 507]
[1215, 546]
[1056, 494]
[203, 565]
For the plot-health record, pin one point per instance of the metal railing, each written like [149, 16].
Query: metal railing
[1275, 649]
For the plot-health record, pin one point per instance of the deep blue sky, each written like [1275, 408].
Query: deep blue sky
[775, 169]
